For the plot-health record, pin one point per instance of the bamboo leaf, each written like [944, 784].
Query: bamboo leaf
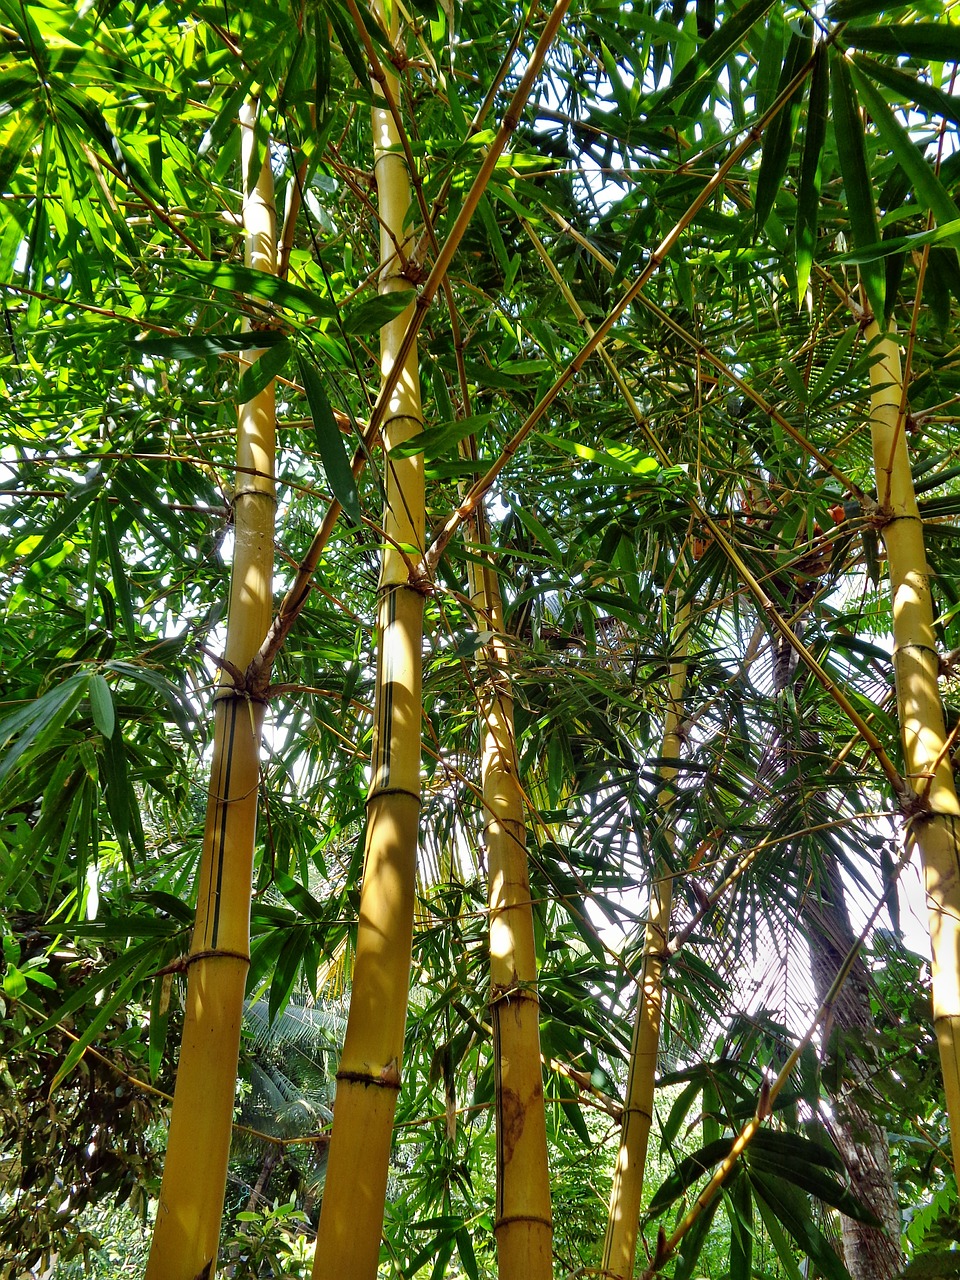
[696, 78]
[286, 971]
[740, 1198]
[778, 137]
[207, 346]
[114, 526]
[101, 705]
[811, 171]
[693, 1242]
[928, 41]
[262, 372]
[784, 1250]
[33, 724]
[690, 1170]
[259, 285]
[336, 464]
[909, 89]
[948, 233]
[817, 1183]
[858, 189]
[466, 1254]
[434, 442]
[929, 190]
[791, 1209]
[370, 316]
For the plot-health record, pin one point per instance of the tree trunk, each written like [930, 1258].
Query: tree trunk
[187, 1227]
[933, 809]
[620, 1245]
[368, 1081]
[870, 1253]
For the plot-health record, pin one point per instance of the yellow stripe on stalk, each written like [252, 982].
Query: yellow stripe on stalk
[187, 1228]
[368, 1081]
[934, 826]
[620, 1244]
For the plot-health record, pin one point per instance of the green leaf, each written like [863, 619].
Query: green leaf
[927, 186]
[740, 1212]
[34, 724]
[370, 316]
[778, 136]
[693, 1242]
[263, 371]
[857, 186]
[467, 1256]
[811, 170]
[696, 78]
[336, 464]
[690, 1170]
[207, 346]
[792, 1211]
[928, 41]
[782, 1246]
[286, 970]
[259, 285]
[436, 441]
[101, 705]
[949, 232]
[909, 89]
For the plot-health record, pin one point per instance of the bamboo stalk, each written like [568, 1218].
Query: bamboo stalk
[620, 1245]
[522, 1226]
[187, 1228]
[934, 824]
[368, 1080]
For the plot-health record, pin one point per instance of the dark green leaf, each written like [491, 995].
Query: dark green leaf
[207, 346]
[262, 371]
[857, 186]
[101, 705]
[329, 441]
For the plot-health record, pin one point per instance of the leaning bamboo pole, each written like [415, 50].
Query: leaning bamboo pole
[934, 816]
[522, 1227]
[187, 1227]
[620, 1244]
[368, 1080]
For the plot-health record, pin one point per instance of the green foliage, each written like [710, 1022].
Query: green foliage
[831, 153]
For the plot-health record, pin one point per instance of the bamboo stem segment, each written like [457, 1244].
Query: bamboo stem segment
[934, 827]
[523, 1226]
[620, 1244]
[368, 1081]
[187, 1228]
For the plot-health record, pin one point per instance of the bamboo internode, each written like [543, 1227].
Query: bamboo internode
[620, 1245]
[933, 825]
[187, 1227]
[368, 1081]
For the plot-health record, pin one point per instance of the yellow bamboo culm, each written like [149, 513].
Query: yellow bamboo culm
[935, 827]
[523, 1227]
[368, 1081]
[620, 1244]
[187, 1228]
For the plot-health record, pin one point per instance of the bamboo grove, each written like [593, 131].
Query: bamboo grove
[480, 509]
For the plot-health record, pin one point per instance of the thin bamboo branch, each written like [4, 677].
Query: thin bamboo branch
[453, 522]
[296, 596]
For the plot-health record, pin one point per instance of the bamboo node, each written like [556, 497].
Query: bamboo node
[523, 1217]
[388, 1078]
[182, 963]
